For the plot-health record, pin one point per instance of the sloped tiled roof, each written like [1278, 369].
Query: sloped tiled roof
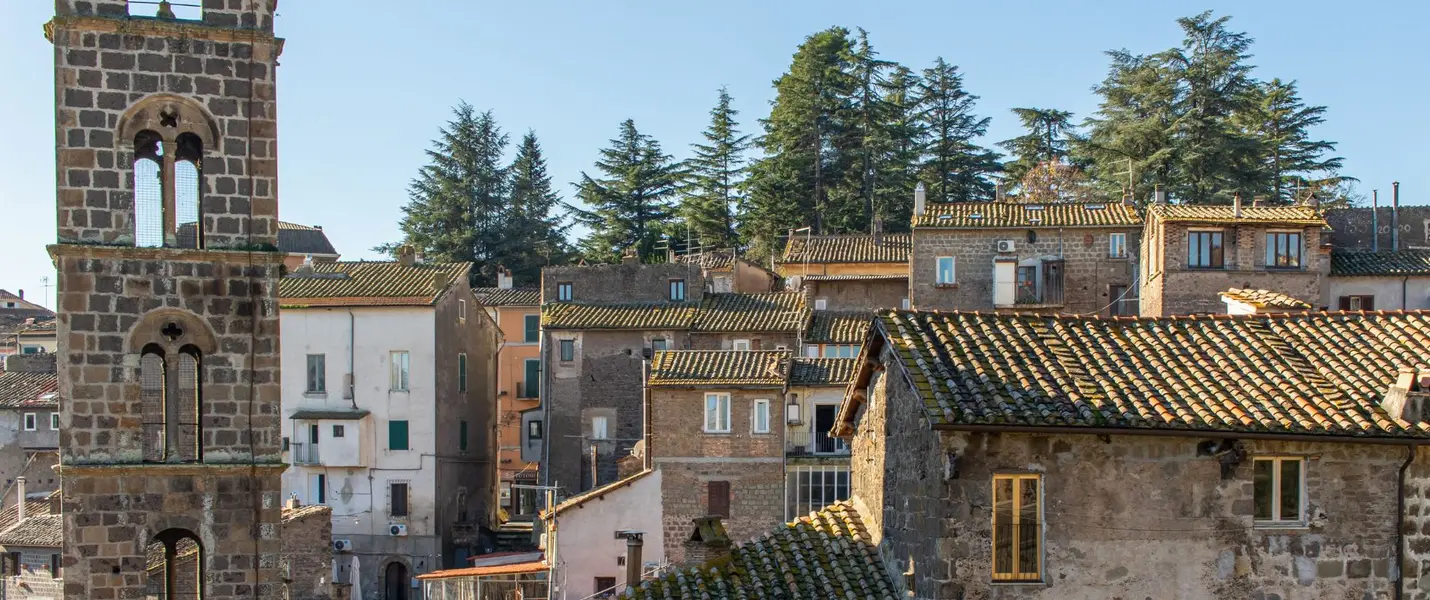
[1224, 213]
[826, 554]
[581, 499]
[1362, 263]
[762, 368]
[858, 248]
[382, 283]
[32, 508]
[838, 327]
[19, 389]
[1293, 373]
[303, 512]
[36, 531]
[993, 215]
[491, 296]
[638, 315]
[773, 311]
[1265, 299]
[822, 371]
[714, 260]
[302, 239]
[856, 277]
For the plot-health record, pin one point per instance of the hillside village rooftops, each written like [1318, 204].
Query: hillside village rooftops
[838, 327]
[1365, 263]
[635, 315]
[1304, 373]
[772, 311]
[855, 248]
[996, 215]
[719, 368]
[1265, 299]
[21, 389]
[362, 283]
[36, 531]
[822, 372]
[1224, 213]
[493, 296]
[714, 260]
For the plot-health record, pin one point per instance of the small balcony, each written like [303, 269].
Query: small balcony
[306, 454]
[814, 443]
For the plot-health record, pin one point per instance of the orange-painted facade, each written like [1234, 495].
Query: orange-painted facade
[513, 396]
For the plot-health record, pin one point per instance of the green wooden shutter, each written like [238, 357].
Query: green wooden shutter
[397, 435]
[533, 328]
[462, 435]
[462, 372]
[533, 379]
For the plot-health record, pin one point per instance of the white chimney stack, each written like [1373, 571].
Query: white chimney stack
[503, 278]
[920, 200]
[20, 499]
[1236, 205]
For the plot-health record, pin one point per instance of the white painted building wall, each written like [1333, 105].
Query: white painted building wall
[587, 546]
[1388, 291]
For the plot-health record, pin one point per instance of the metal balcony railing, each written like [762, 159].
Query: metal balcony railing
[814, 443]
[305, 454]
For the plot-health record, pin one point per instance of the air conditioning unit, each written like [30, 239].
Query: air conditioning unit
[397, 529]
[1006, 246]
[342, 545]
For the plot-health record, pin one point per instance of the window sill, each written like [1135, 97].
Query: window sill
[946, 286]
[310, 394]
[1018, 582]
[1281, 525]
[709, 432]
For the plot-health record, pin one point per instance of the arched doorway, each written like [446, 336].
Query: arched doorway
[397, 582]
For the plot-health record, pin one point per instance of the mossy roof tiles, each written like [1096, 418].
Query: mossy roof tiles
[997, 215]
[1223, 213]
[1266, 299]
[491, 296]
[705, 368]
[1286, 373]
[838, 327]
[36, 531]
[636, 315]
[856, 248]
[822, 371]
[1362, 263]
[773, 311]
[363, 283]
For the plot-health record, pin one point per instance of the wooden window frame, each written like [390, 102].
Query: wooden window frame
[1273, 255]
[1348, 302]
[718, 489]
[1216, 260]
[1017, 574]
[1277, 521]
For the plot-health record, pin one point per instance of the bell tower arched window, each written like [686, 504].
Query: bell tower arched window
[174, 561]
[170, 135]
[172, 343]
[152, 380]
[148, 190]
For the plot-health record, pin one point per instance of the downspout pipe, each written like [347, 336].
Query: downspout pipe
[1410, 451]
[351, 379]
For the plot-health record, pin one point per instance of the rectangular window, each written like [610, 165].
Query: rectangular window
[462, 435]
[1204, 250]
[717, 500]
[54, 421]
[1017, 528]
[462, 311]
[313, 433]
[604, 584]
[1283, 250]
[563, 291]
[1357, 303]
[399, 499]
[533, 328]
[811, 351]
[320, 489]
[760, 418]
[568, 350]
[810, 488]
[658, 344]
[945, 271]
[1279, 490]
[717, 413]
[397, 435]
[462, 372]
[54, 566]
[31, 419]
[339, 431]
[317, 373]
[1117, 245]
[531, 387]
[677, 290]
[740, 345]
[400, 365]
[821, 303]
[533, 430]
[12, 563]
[598, 428]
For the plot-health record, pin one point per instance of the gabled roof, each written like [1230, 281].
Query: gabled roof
[581, 499]
[822, 371]
[22, 304]
[1286, 373]
[1362, 263]
[381, 283]
[720, 368]
[855, 248]
[1224, 213]
[638, 315]
[714, 260]
[838, 327]
[32, 508]
[772, 311]
[20, 389]
[302, 239]
[492, 296]
[996, 215]
[36, 531]
[1265, 299]
[826, 554]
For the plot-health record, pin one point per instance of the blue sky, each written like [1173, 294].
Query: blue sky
[364, 84]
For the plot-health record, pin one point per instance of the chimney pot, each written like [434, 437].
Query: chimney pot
[920, 199]
[407, 255]
[1236, 205]
[1159, 196]
[22, 294]
[19, 499]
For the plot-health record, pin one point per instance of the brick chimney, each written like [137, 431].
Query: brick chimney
[1409, 395]
[708, 542]
[407, 255]
[631, 256]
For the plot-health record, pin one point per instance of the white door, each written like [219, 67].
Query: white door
[1004, 274]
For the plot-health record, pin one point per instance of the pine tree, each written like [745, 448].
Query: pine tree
[630, 205]
[1286, 155]
[955, 168]
[457, 203]
[1046, 141]
[537, 234]
[898, 145]
[1130, 142]
[714, 176]
[852, 200]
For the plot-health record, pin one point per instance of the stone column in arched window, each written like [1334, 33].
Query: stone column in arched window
[148, 189]
[152, 383]
[186, 402]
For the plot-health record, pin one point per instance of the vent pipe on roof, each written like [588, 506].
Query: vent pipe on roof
[1375, 220]
[1159, 196]
[1394, 216]
[998, 192]
[920, 200]
[1236, 206]
[634, 546]
[19, 499]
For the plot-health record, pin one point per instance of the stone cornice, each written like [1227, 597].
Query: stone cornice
[165, 469]
[258, 257]
[164, 28]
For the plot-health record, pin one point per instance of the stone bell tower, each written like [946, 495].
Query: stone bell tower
[166, 139]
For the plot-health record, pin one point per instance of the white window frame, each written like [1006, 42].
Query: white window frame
[760, 408]
[717, 412]
[462, 311]
[736, 345]
[565, 291]
[32, 421]
[561, 346]
[821, 303]
[676, 285]
[1276, 520]
[811, 350]
[1117, 245]
[54, 421]
[400, 371]
[938, 270]
[904, 303]
[600, 429]
[321, 378]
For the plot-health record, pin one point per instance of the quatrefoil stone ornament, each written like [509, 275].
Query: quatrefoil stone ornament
[171, 331]
[169, 117]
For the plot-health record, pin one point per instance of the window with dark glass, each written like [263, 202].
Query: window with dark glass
[399, 499]
[462, 372]
[1279, 490]
[563, 291]
[317, 375]
[718, 499]
[1017, 527]
[531, 386]
[1283, 250]
[1204, 250]
[568, 350]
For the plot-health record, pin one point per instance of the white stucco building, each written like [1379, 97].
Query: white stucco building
[388, 395]
[589, 552]
[1366, 280]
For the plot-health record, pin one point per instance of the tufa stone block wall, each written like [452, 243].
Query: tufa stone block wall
[597, 284]
[1088, 272]
[857, 295]
[308, 552]
[466, 479]
[1169, 287]
[1359, 228]
[105, 63]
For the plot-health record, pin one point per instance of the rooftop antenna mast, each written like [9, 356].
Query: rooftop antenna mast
[45, 298]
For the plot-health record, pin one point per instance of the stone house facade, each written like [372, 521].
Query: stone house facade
[725, 271]
[1064, 477]
[31, 566]
[806, 255]
[854, 292]
[1066, 258]
[717, 437]
[307, 569]
[588, 529]
[1190, 254]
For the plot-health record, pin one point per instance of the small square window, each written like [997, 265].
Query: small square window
[821, 303]
[338, 431]
[568, 350]
[740, 345]
[30, 421]
[563, 291]
[945, 274]
[598, 428]
[658, 344]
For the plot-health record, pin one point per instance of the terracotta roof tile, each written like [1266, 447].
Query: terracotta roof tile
[1360, 263]
[302, 512]
[490, 296]
[838, 327]
[1301, 373]
[715, 260]
[32, 508]
[826, 554]
[38, 531]
[761, 368]
[773, 311]
[302, 239]
[822, 371]
[1201, 213]
[855, 277]
[640, 315]
[362, 283]
[20, 389]
[860, 248]
[1265, 299]
[993, 215]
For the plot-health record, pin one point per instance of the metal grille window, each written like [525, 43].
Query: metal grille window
[1017, 527]
[317, 373]
[399, 499]
[151, 400]
[1283, 250]
[148, 191]
[188, 190]
[1204, 250]
[810, 488]
[1279, 488]
[717, 413]
[187, 399]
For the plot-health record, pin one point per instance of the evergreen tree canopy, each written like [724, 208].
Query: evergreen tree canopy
[1214, 79]
[955, 168]
[1046, 141]
[1279, 123]
[630, 204]
[1129, 144]
[898, 145]
[714, 176]
[538, 235]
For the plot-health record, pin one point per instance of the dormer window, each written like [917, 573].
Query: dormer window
[677, 290]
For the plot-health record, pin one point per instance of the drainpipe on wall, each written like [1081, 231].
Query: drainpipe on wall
[1395, 216]
[350, 382]
[1400, 526]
